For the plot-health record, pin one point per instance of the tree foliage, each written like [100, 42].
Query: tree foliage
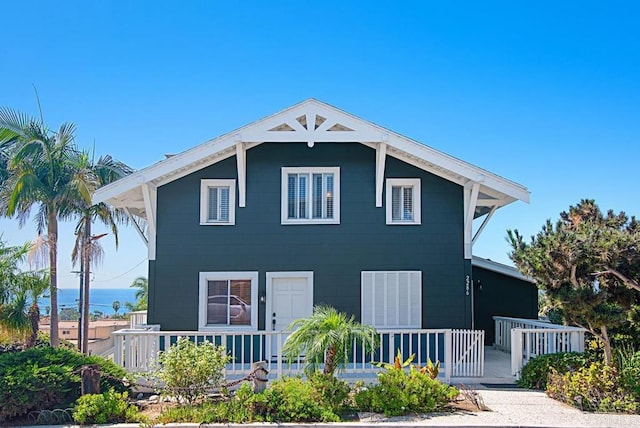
[19, 294]
[588, 263]
[41, 173]
[142, 294]
[327, 336]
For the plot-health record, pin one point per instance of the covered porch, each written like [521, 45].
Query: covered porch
[462, 355]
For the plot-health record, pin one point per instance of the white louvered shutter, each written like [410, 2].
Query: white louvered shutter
[392, 299]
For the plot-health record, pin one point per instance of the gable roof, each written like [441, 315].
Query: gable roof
[311, 122]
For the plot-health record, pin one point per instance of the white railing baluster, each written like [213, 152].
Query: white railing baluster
[460, 352]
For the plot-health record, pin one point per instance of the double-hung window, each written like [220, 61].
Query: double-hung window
[217, 202]
[403, 201]
[311, 195]
[228, 300]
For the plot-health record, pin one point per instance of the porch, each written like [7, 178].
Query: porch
[462, 355]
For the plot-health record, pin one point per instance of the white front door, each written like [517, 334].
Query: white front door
[289, 297]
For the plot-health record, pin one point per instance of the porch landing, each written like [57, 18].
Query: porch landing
[497, 370]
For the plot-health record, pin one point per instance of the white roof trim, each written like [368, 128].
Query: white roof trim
[331, 125]
[499, 268]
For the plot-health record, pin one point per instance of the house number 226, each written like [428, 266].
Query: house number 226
[467, 285]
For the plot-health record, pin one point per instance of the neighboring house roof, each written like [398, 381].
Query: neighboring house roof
[499, 268]
[330, 125]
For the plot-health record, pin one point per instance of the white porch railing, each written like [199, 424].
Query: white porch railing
[137, 318]
[460, 352]
[504, 325]
[526, 339]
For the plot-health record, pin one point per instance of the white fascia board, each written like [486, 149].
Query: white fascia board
[164, 167]
[461, 168]
[257, 132]
[499, 268]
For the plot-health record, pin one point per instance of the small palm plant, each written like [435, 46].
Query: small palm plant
[327, 336]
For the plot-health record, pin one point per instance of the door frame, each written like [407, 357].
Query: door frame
[269, 292]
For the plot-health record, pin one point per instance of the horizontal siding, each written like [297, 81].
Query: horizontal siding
[335, 253]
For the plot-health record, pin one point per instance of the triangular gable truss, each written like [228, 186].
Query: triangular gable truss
[314, 122]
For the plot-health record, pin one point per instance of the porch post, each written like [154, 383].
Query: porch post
[516, 351]
[117, 353]
[448, 358]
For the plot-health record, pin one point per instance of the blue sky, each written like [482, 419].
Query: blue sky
[546, 94]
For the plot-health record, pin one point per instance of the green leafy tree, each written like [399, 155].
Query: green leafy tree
[41, 173]
[327, 336]
[588, 265]
[116, 306]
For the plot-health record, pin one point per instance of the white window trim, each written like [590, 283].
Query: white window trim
[362, 299]
[205, 277]
[417, 204]
[310, 170]
[204, 201]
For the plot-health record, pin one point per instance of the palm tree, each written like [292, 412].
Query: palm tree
[116, 306]
[328, 336]
[10, 302]
[142, 294]
[86, 248]
[36, 284]
[40, 174]
[17, 288]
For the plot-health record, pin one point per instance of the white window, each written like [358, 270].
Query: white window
[392, 299]
[228, 300]
[311, 195]
[403, 201]
[217, 202]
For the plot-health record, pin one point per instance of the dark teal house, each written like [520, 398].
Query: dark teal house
[313, 205]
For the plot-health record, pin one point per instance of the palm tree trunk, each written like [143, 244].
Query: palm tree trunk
[330, 361]
[85, 260]
[52, 226]
[34, 318]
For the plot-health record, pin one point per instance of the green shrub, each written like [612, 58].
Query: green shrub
[292, 400]
[189, 370]
[399, 392]
[234, 410]
[333, 392]
[108, 407]
[593, 388]
[535, 373]
[630, 374]
[286, 400]
[45, 378]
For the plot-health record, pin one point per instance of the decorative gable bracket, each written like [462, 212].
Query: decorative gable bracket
[315, 126]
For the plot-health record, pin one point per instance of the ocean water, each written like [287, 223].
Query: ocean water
[100, 299]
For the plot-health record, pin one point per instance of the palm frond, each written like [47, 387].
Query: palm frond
[38, 256]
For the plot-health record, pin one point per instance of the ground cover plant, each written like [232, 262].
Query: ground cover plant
[108, 407]
[45, 378]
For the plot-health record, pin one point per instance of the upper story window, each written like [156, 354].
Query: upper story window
[217, 202]
[311, 195]
[403, 201]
